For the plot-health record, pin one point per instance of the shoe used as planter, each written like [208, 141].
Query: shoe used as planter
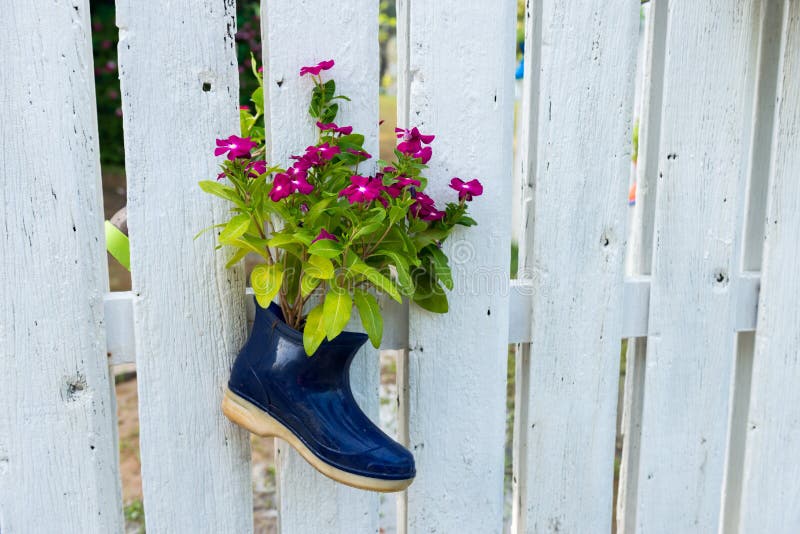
[277, 390]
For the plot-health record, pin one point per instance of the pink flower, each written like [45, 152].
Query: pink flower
[389, 169]
[256, 168]
[297, 178]
[396, 189]
[424, 154]
[316, 155]
[327, 151]
[466, 190]
[260, 69]
[281, 187]
[331, 126]
[244, 108]
[323, 234]
[236, 147]
[424, 208]
[316, 69]
[361, 189]
[412, 140]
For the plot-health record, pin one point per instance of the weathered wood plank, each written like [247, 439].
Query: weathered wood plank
[574, 254]
[347, 33]
[180, 92]
[772, 458]
[706, 123]
[457, 65]
[58, 459]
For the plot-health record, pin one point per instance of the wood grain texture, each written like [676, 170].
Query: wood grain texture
[58, 459]
[457, 64]
[574, 254]
[180, 92]
[772, 458]
[702, 172]
[347, 33]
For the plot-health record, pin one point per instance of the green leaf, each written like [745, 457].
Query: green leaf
[377, 279]
[336, 311]
[308, 285]
[370, 314]
[246, 122]
[368, 229]
[278, 240]
[222, 191]
[292, 271]
[314, 331]
[266, 282]
[326, 248]
[396, 213]
[330, 89]
[401, 266]
[207, 228]
[329, 114]
[237, 257]
[246, 243]
[441, 267]
[236, 227]
[436, 303]
[118, 245]
[316, 210]
[258, 100]
[429, 295]
[354, 140]
[319, 267]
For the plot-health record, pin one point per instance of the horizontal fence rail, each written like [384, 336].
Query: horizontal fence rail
[521, 299]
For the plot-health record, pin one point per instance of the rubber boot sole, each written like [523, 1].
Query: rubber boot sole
[249, 416]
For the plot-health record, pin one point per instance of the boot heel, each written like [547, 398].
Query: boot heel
[248, 416]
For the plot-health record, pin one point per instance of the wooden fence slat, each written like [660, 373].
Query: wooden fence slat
[457, 67]
[58, 458]
[706, 118]
[348, 33]
[179, 92]
[574, 252]
[772, 459]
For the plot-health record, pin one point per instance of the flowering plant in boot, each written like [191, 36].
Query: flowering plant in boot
[323, 225]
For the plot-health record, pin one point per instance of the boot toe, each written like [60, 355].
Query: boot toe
[391, 463]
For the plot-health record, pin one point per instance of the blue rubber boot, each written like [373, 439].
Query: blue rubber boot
[276, 390]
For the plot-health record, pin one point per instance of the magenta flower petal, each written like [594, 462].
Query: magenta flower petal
[236, 147]
[316, 69]
[425, 209]
[323, 234]
[424, 154]
[466, 190]
[301, 185]
[281, 187]
[332, 126]
[327, 152]
[256, 168]
[362, 189]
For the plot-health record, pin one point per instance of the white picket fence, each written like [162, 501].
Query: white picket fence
[711, 410]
